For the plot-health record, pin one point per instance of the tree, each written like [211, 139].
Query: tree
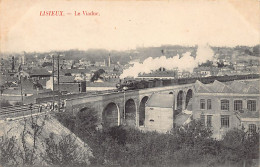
[240, 147]
[13, 152]
[207, 64]
[194, 144]
[65, 152]
[97, 75]
[86, 121]
[28, 152]
[193, 133]
[220, 64]
[8, 151]
[118, 133]
[45, 64]
[256, 50]
[68, 120]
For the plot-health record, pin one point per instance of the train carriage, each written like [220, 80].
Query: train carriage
[135, 84]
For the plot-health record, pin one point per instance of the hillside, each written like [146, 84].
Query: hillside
[51, 128]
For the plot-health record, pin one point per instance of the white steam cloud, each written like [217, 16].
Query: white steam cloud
[184, 63]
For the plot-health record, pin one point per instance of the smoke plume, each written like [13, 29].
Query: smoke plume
[186, 62]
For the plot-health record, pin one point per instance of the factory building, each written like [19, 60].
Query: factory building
[224, 106]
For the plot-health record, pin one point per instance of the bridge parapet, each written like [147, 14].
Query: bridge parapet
[119, 101]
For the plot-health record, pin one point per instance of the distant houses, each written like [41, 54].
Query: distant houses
[35, 74]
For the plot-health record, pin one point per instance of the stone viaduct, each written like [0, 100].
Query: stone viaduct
[128, 107]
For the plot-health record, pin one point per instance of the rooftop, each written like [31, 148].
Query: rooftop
[66, 71]
[242, 87]
[39, 72]
[161, 100]
[66, 79]
[101, 84]
[249, 114]
[181, 119]
[159, 74]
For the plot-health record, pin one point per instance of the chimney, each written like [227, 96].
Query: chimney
[23, 58]
[109, 60]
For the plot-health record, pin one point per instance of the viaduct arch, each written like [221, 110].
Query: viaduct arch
[130, 113]
[111, 115]
[142, 110]
[180, 100]
[117, 108]
[188, 97]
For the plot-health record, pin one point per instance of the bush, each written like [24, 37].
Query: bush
[86, 122]
[118, 134]
[68, 120]
[64, 152]
[8, 151]
[184, 146]
[240, 147]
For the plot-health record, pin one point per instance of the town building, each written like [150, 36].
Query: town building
[100, 86]
[159, 114]
[79, 74]
[67, 84]
[38, 73]
[205, 71]
[19, 91]
[159, 75]
[224, 106]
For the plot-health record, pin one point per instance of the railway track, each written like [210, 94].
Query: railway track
[25, 110]
[17, 111]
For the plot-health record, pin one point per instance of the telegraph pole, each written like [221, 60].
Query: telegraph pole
[58, 83]
[21, 85]
[53, 95]
[124, 89]
[58, 80]
[20, 75]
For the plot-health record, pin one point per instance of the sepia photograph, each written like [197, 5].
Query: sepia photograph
[129, 83]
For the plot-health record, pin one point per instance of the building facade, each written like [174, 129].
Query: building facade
[224, 106]
[159, 114]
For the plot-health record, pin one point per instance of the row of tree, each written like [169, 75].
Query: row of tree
[191, 145]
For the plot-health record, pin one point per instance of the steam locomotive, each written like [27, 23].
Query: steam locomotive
[142, 84]
[139, 84]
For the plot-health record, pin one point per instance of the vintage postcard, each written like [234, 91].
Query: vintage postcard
[129, 83]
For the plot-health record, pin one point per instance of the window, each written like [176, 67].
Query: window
[251, 105]
[209, 104]
[202, 103]
[224, 121]
[224, 105]
[202, 119]
[238, 105]
[209, 120]
[252, 128]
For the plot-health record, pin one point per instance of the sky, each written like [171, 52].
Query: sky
[124, 25]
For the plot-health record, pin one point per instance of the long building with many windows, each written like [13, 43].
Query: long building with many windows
[223, 106]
